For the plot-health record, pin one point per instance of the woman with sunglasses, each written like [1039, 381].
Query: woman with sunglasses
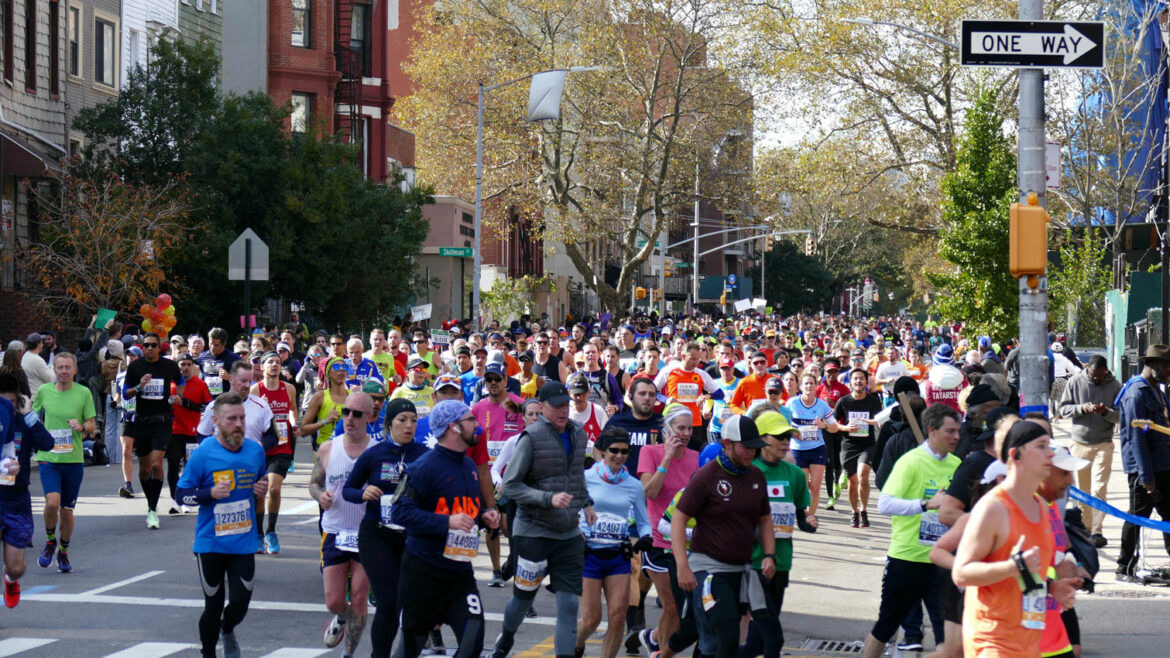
[372, 483]
[325, 407]
[607, 541]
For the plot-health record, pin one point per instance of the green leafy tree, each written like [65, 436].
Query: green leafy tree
[979, 291]
[1078, 287]
[342, 245]
[796, 283]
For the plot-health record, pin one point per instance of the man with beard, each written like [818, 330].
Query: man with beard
[224, 476]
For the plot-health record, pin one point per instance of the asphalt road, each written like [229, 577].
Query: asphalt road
[134, 592]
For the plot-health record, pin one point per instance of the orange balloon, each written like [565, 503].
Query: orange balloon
[169, 322]
[145, 310]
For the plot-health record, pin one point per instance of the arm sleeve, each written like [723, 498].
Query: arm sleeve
[641, 515]
[188, 490]
[355, 484]
[660, 379]
[887, 504]
[514, 486]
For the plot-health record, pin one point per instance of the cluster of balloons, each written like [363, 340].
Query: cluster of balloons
[159, 318]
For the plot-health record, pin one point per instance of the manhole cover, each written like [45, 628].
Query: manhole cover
[1132, 594]
[839, 646]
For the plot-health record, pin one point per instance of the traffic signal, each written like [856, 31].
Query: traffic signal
[1028, 250]
[666, 268]
[723, 299]
[768, 243]
[810, 247]
[658, 294]
[639, 293]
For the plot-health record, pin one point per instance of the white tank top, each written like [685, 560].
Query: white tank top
[342, 515]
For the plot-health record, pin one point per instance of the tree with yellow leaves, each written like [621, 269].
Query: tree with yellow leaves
[619, 165]
[101, 242]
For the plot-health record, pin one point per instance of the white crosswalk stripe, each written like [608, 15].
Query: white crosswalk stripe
[15, 645]
[152, 650]
[296, 653]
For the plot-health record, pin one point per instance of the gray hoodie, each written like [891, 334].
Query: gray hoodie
[1081, 392]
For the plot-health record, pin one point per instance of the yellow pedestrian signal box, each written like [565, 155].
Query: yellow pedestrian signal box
[1028, 250]
[639, 293]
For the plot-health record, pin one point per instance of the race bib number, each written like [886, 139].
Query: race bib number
[930, 529]
[423, 410]
[153, 390]
[724, 413]
[214, 384]
[7, 461]
[281, 429]
[809, 433]
[386, 505]
[1033, 605]
[346, 541]
[62, 441]
[783, 518]
[494, 450]
[529, 574]
[233, 518]
[857, 419]
[687, 391]
[462, 546]
[609, 529]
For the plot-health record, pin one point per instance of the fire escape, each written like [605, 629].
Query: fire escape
[351, 65]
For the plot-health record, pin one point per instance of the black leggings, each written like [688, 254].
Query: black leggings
[438, 596]
[765, 636]
[381, 554]
[176, 453]
[218, 571]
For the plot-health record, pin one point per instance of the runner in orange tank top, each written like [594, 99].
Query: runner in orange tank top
[1008, 542]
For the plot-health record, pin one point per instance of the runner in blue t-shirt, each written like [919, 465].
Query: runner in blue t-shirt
[811, 416]
[222, 476]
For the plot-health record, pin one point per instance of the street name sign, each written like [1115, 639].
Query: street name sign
[458, 252]
[1033, 44]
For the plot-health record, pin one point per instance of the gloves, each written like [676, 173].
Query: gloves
[643, 544]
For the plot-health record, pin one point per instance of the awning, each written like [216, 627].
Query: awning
[19, 158]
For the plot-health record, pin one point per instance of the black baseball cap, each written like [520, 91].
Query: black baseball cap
[554, 393]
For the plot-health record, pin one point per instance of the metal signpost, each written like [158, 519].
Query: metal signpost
[247, 262]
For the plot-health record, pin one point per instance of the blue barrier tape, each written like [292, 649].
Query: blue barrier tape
[1098, 504]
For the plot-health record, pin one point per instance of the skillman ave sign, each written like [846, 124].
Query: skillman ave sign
[1033, 44]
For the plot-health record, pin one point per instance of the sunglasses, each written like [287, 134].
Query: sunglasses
[356, 413]
[337, 366]
[177, 342]
[493, 380]
[618, 451]
[420, 342]
[150, 345]
[337, 344]
[241, 353]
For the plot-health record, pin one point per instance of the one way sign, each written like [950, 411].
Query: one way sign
[1033, 44]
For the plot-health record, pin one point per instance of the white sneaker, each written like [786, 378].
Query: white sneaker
[334, 632]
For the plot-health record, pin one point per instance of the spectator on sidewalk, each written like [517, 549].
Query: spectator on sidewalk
[1088, 401]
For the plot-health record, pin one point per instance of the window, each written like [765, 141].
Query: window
[302, 25]
[75, 41]
[104, 52]
[359, 38]
[302, 113]
[30, 46]
[132, 55]
[8, 41]
[55, 47]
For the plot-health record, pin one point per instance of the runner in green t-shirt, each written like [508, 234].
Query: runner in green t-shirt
[68, 413]
[789, 498]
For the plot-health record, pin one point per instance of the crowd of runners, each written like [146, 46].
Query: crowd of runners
[610, 457]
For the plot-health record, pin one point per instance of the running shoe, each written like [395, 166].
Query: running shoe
[63, 562]
[646, 638]
[864, 519]
[11, 592]
[1099, 541]
[531, 614]
[497, 579]
[46, 557]
[436, 642]
[272, 542]
[909, 646]
[126, 491]
[174, 509]
[231, 648]
[334, 632]
[579, 652]
[152, 519]
[855, 520]
[633, 647]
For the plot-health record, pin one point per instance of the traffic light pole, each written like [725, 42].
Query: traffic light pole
[1030, 174]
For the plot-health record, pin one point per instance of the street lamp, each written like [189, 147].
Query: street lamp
[869, 21]
[544, 102]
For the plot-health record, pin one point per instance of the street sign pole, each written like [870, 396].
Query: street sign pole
[247, 284]
[1030, 172]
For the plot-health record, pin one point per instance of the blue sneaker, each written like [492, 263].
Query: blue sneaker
[63, 562]
[46, 557]
[272, 543]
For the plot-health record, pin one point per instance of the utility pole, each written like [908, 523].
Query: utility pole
[1030, 174]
